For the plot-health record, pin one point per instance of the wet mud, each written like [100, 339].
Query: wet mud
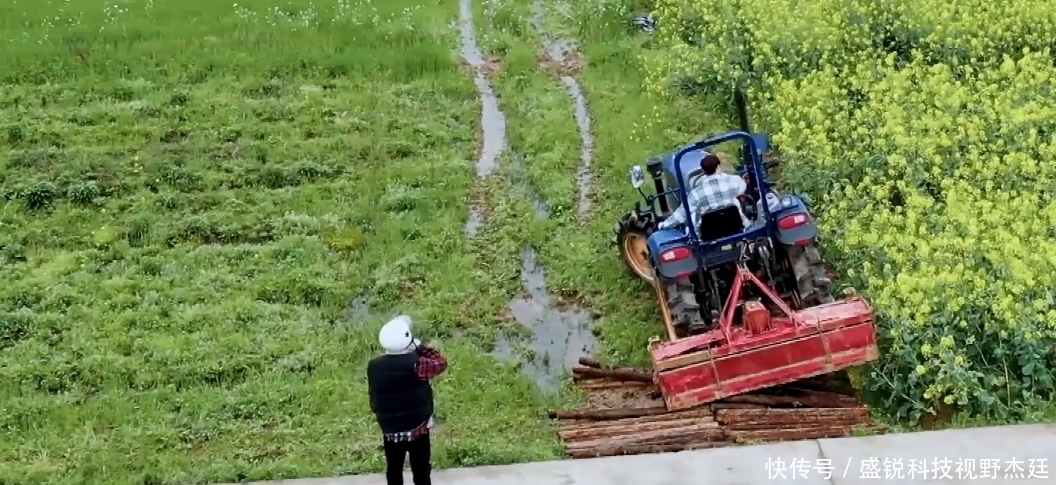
[561, 52]
[493, 121]
[559, 336]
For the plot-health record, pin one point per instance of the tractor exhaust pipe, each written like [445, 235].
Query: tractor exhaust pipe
[741, 100]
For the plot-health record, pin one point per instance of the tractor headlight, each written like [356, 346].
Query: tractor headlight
[637, 176]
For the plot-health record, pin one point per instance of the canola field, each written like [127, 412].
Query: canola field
[923, 132]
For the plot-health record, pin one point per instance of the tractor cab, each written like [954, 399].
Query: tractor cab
[718, 232]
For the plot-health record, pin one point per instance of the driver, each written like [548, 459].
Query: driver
[711, 191]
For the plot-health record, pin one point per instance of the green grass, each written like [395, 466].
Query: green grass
[198, 198]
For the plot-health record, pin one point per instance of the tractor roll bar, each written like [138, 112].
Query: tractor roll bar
[753, 152]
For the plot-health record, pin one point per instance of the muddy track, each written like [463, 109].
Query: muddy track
[624, 414]
[493, 120]
[561, 55]
[559, 336]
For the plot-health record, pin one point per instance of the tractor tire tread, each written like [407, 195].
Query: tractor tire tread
[815, 288]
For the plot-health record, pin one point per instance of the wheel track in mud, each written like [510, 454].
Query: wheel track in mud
[560, 336]
[492, 119]
[562, 52]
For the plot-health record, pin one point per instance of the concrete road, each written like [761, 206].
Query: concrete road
[1001, 454]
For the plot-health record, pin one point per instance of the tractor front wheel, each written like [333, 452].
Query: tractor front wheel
[631, 236]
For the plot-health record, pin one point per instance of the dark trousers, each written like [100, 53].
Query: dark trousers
[396, 451]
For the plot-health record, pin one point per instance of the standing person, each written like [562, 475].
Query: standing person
[402, 399]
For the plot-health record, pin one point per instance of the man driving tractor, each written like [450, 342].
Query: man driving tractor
[715, 189]
[712, 190]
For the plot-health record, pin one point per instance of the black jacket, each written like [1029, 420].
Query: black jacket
[401, 401]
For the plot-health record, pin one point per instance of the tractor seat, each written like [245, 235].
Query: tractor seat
[720, 223]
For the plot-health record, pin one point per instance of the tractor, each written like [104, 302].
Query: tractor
[746, 305]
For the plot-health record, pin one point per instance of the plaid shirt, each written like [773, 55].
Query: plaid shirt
[430, 365]
[707, 193]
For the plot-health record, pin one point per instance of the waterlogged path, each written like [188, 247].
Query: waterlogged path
[561, 52]
[559, 335]
[492, 120]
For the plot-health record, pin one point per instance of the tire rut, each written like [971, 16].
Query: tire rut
[562, 52]
[561, 334]
[493, 120]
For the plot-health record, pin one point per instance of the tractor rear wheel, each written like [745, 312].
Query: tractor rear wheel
[631, 236]
[815, 287]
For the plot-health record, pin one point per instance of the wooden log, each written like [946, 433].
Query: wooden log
[607, 414]
[594, 425]
[588, 362]
[771, 425]
[788, 401]
[690, 433]
[693, 437]
[650, 421]
[601, 451]
[702, 414]
[727, 416]
[602, 384]
[617, 374]
[684, 438]
[633, 429]
[806, 433]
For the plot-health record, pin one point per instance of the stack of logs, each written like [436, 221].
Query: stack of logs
[625, 414]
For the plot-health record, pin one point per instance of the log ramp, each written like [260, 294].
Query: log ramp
[625, 414]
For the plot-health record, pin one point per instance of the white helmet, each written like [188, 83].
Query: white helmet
[396, 336]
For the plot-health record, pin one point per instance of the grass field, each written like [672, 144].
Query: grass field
[209, 209]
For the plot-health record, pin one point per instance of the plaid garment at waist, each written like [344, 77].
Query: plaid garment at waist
[411, 435]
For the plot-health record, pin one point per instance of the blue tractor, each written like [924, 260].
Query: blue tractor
[694, 265]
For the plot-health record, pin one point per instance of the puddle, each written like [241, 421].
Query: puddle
[521, 180]
[476, 219]
[493, 121]
[559, 337]
[560, 51]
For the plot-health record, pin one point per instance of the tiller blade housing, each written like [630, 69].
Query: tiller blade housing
[763, 349]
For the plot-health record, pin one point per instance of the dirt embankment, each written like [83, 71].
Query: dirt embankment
[624, 414]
